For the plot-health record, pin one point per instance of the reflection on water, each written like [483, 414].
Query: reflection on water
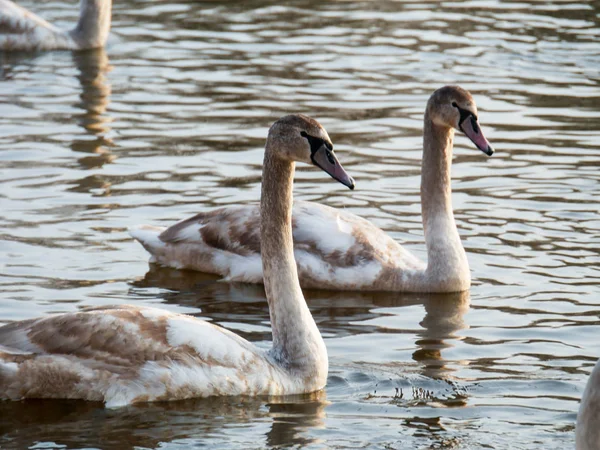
[286, 420]
[171, 120]
[443, 321]
[95, 96]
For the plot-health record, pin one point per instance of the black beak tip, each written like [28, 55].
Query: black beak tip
[351, 185]
[488, 150]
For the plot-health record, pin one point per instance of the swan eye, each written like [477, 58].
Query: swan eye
[304, 134]
[454, 104]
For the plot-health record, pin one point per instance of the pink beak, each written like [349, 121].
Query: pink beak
[471, 128]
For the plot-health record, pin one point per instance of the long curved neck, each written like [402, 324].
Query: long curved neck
[297, 343]
[94, 23]
[447, 265]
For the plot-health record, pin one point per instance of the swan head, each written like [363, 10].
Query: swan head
[300, 138]
[454, 107]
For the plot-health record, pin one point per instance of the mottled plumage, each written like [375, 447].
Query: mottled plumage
[128, 354]
[125, 354]
[335, 249]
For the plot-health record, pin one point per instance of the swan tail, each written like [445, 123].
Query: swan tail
[149, 237]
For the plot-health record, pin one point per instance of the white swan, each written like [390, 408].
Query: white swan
[335, 249]
[21, 30]
[127, 354]
[587, 432]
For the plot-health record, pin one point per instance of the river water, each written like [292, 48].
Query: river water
[171, 119]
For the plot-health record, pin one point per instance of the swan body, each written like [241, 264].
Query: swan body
[21, 30]
[587, 432]
[335, 249]
[126, 354]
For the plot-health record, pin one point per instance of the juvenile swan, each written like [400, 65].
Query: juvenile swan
[587, 433]
[21, 30]
[335, 249]
[127, 354]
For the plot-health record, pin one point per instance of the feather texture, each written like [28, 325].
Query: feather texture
[334, 249]
[126, 354]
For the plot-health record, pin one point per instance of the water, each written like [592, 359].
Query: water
[171, 120]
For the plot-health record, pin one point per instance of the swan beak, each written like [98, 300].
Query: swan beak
[471, 128]
[326, 160]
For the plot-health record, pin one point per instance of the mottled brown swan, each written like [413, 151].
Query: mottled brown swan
[335, 249]
[127, 354]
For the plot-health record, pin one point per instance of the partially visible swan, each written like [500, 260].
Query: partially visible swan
[335, 249]
[127, 354]
[587, 433]
[21, 30]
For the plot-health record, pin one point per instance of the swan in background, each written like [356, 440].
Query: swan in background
[21, 30]
[126, 354]
[335, 249]
[587, 433]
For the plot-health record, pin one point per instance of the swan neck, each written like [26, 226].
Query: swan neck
[446, 258]
[93, 25]
[436, 189]
[297, 342]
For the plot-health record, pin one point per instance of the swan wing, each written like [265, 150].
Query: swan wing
[234, 229]
[225, 241]
[128, 354]
[336, 249]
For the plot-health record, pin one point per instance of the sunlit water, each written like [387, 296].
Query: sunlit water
[171, 120]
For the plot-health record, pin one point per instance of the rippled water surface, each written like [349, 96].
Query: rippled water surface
[171, 119]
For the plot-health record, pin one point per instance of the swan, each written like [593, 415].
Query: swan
[21, 30]
[587, 431]
[125, 354]
[335, 249]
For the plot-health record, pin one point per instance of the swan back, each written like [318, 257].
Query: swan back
[126, 354]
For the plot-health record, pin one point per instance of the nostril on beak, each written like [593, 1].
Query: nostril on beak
[330, 157]
[475, 125]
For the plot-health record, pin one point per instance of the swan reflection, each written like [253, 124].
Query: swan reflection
[444, 318]
[93, 66]
[77, 424]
